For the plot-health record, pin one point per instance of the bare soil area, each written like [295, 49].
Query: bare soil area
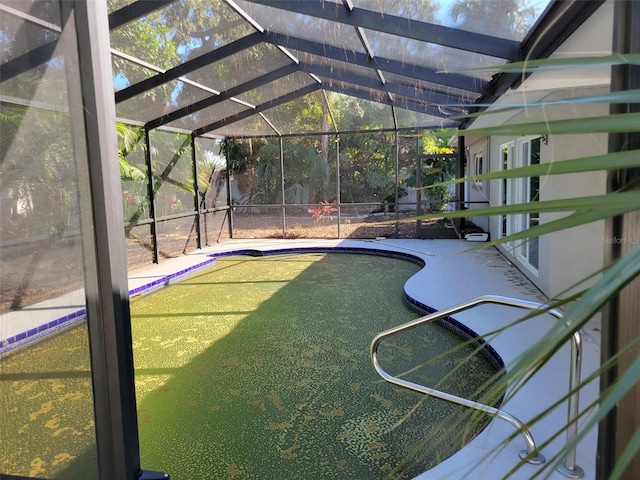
[44, 270]
[369, 226]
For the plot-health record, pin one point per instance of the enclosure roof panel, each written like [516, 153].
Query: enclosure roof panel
[240, 67]
[407, 119]
[287, 121]
[179, 32]
[277, 88]
[273, 18]
[253, 126]
[211, 65]
[440, 58]
[161, 100]
[451, 94]
[208, 115]
[495, 18]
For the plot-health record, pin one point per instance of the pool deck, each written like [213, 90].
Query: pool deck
[451, 276]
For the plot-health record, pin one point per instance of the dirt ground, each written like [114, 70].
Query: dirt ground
[367, 226]
[48, 269]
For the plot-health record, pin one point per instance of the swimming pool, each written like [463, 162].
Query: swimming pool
[450, 277]
[255, 368]
[258, 368]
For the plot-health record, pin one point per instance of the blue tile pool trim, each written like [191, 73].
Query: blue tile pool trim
[65, 321]
[300, 250]
[166, 280]
[72, 318]
[459, 329]
[40, 331]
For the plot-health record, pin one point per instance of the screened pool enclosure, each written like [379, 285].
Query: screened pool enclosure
[266, 88]
[134, 131]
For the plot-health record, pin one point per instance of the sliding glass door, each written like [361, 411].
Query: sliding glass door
[520, 153]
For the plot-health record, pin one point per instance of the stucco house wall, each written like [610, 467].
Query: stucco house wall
[566, 257]
[476, 192]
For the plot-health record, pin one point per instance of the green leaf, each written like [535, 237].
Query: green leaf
[621, 123]
[550, 64]
[612, 282]
[129, 172]
[628, 96]
[632, 448]
[620, 201]
[611, 161]
[573, 220]
[617, 277]
[607, 402]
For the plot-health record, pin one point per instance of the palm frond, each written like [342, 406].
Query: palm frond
[618, 202]
[611, 161]
[620, 123]
[550, 64]
[626, 96]
[607, 282]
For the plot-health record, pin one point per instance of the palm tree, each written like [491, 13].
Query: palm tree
[620, 368]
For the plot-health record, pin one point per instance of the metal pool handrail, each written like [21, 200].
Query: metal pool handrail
[531, 454]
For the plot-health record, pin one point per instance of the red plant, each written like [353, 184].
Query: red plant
[323, 211]
[316, 212]
[128, 197]
[327, 209]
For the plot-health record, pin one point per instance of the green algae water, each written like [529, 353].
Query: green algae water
[258, 368]
[47, 426]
